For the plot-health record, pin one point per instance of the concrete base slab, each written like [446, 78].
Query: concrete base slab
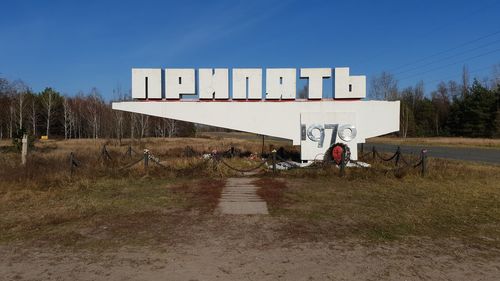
[239, 197]
[243, 208]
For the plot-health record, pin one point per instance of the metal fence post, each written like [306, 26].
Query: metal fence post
[342, 164]
[262, 152]
[424, 161]
[274, 160]
[398, 155]
[146, 159]
[373, 152]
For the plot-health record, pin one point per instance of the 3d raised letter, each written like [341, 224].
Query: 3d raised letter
[281, 83]
[213, 83]
[348, 87]
[179, 82]
[146, 83]
[315, 77]
[244, 78]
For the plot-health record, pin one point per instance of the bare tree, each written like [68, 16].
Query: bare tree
[171, 127]
[118, 114]
[453, 89]
[404, 120]
[93, 111]
[11, 119]
[132, 124]
[465, 81]
[4, 101]
[441, 101]
[418, 94]
[495, 76]
[20, 91]
[384, 87]
[7, 96]
[66, 115]
[142, 122]
[119, 120]
[33, 114]
[48, 99]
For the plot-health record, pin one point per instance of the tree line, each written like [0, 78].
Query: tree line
[462, 109]
[466, 108]
[85, 115]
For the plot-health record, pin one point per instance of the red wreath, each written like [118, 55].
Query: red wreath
[338, 150]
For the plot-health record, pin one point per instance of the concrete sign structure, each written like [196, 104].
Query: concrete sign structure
[315, 123]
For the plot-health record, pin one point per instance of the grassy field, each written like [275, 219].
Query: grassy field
[103, 205]
[440, 141]
[44, 203]
[454, 201]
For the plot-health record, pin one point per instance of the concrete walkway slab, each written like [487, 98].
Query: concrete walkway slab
[239, 197]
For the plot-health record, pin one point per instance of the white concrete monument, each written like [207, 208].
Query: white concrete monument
[315, 123]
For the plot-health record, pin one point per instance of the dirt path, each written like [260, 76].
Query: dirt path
[248, 248]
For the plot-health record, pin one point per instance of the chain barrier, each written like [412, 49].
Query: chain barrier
[73, 163]
[105, 154]
[131, 164]
[399, 157]
[129, 152]
[364, 155]
[218, 158]
[387, 159]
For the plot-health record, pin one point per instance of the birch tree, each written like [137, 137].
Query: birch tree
[143, 124]
[93, 111]
[171, 127]
[47, 99]
[384, 87]
[66, 115]
[11, 119]
[33, 114]
[20, 92]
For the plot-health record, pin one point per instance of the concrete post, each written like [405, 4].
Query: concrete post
[146, 159]
[24, 151]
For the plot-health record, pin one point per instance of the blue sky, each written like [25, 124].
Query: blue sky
[76, 45]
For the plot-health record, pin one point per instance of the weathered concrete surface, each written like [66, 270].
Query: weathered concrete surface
[239, 197]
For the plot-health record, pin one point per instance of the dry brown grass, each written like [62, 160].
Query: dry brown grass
[272, 191]
[101, 205]
[440, 141]
[455, 200]
[44, 203]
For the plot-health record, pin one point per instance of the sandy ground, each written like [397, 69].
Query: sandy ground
[251, 248]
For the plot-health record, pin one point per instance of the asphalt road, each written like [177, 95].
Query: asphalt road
[458, 153]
